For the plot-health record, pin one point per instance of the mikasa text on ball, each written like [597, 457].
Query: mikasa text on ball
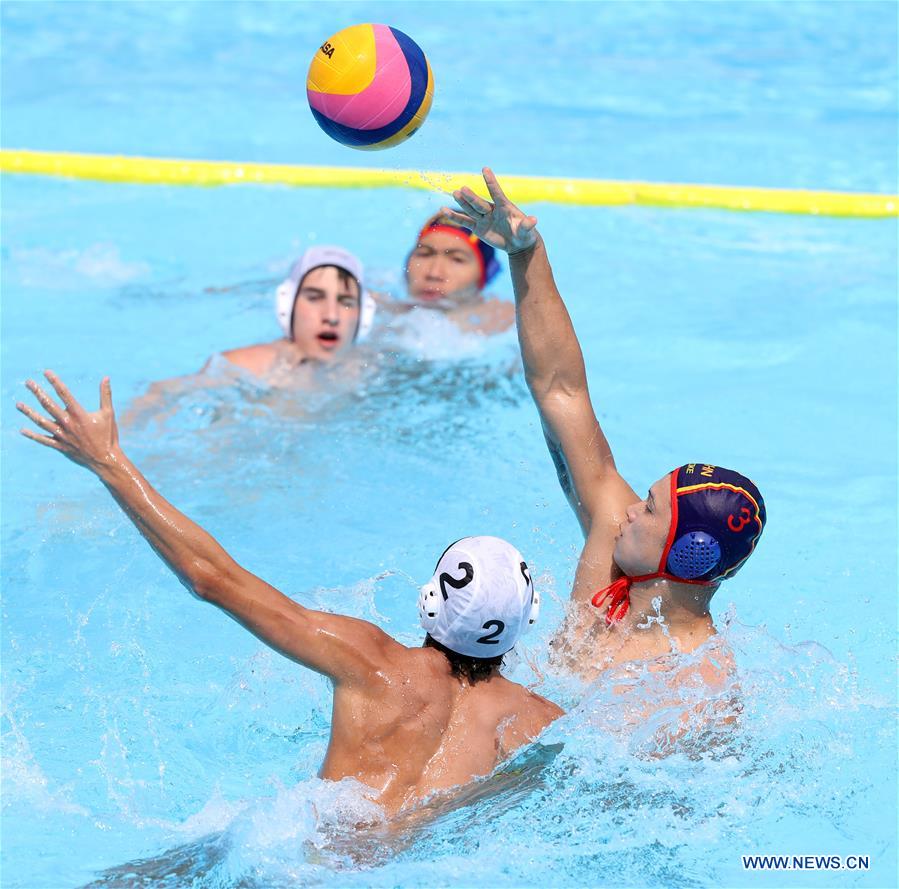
[370, 86]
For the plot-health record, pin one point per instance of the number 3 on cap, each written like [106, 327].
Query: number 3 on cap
[746, 518]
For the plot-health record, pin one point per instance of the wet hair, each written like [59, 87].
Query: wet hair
[473, 669]
[343, 276]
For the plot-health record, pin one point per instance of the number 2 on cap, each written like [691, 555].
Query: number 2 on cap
[447, 578]
[491, 637]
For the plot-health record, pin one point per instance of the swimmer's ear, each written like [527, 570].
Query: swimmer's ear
[105, 394]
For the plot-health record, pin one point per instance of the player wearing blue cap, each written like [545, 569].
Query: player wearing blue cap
[697, 525]
[449, 269]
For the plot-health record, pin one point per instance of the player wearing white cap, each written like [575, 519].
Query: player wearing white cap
[322, 308]
[406, 722]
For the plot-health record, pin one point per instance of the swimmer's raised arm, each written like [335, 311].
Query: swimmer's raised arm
[343, 648]
[553, 362]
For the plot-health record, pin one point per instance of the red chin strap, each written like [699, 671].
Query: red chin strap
[619, 592]
[619, 596]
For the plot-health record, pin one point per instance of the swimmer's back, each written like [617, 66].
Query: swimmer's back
[420, 729]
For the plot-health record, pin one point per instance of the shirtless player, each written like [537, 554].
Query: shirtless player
[696, 526]
[407, 722]
[323, 310]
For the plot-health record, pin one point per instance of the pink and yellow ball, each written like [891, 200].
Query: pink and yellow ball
[370, 86]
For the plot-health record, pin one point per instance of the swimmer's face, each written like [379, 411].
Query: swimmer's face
[639, 545]
[326, 313]
[442, 267]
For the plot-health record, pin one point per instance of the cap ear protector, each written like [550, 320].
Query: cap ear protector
[429, 605]
[693, 555]
[367, 309]
[534, 613]
[285, 297]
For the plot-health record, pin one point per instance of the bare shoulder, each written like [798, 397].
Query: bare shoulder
[533, 711]
[718, 667]
[257, 359]
[527, 714]
[418, 666]
[417, 676]
[714, 667]
[385, 651]
[545, 710]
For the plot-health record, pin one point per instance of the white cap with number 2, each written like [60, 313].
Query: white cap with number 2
[480, 599]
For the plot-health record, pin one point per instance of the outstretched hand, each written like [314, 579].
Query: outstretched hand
[501, 224]
[87, 438]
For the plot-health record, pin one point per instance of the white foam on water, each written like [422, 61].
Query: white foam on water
[429, 333]
[99, 265]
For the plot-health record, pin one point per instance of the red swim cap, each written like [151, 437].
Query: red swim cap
[485, 254]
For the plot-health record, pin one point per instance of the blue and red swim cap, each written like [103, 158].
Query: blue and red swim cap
[717, 517]
[484, 253]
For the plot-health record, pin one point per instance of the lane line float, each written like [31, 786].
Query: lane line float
[521, 189]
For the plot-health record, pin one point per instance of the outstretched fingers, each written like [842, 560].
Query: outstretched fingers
[42, 439]
[457, 216]
[46, 402]
[499, 198]
[62, 390]
[466, 198]
[38, 420]
[493, 186]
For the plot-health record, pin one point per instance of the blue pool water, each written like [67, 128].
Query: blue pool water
[147, 740]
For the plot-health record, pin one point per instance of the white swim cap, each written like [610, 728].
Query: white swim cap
[480, 599]
[313, 258]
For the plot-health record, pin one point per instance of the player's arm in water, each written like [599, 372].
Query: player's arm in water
[162, 396]
[345, 649]
[553, 362]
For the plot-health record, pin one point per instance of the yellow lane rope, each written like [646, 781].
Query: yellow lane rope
[522, 189]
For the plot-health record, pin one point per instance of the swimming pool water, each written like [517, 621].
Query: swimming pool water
[140, 724]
